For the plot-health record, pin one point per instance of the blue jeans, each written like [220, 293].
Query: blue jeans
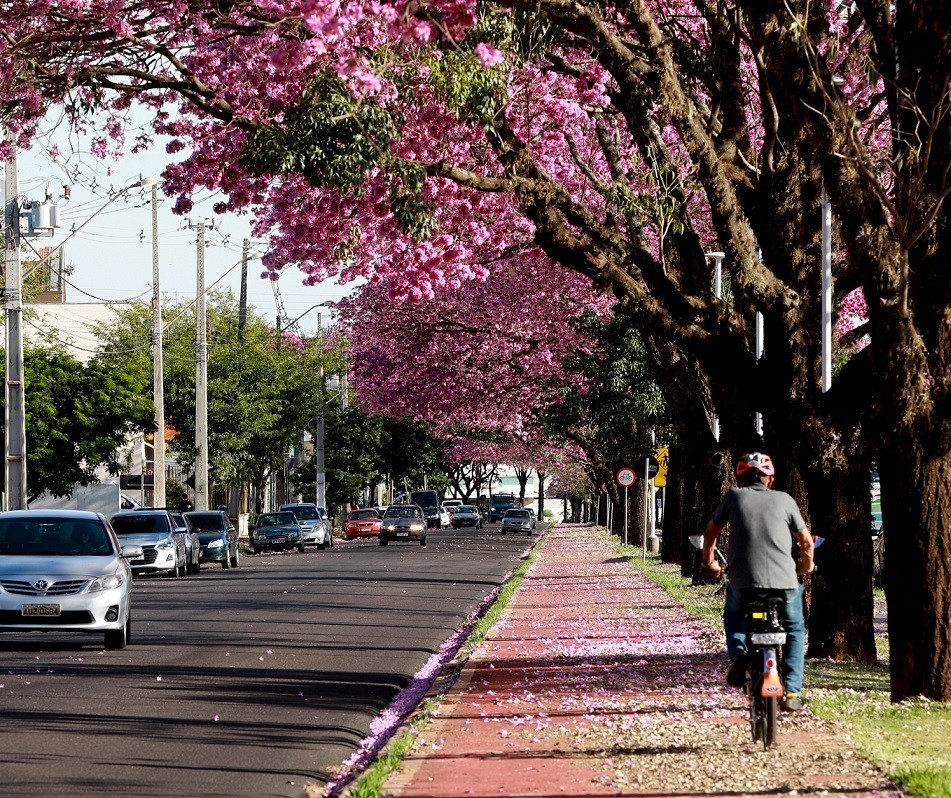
[734, 624]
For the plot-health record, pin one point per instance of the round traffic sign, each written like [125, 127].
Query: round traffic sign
[652, 467]
[625, 477]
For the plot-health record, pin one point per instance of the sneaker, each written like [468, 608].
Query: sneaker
[736, 675]
[791, 702]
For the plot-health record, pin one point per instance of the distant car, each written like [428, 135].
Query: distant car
[451, 504]
[534, 516]
[192, 546]
[362, 524]
[403, 522]
[280, 530]
[163, 546]
[518, 520]
[65, 571]
[466, 515]
[314, 523]
[445, 518]
[217, 537]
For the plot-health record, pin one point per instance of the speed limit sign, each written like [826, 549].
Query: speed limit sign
[625, 477]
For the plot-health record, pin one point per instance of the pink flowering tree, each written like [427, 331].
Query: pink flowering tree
[404, 142]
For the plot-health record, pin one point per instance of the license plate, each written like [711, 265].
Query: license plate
[402, 534]
[33, 610]
[279, 540]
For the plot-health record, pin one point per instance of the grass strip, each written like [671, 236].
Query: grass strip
[910, 741]
[370, 783]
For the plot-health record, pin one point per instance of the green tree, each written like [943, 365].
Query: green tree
[77, 418]
[261, 389]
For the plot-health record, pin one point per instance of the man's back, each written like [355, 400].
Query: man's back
[761, 525]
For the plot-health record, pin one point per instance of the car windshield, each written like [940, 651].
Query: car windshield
[305, 513]
[139, 523]
[465, 508]
[276, 519]
[363, 515]
[517, 514]
[44, 536]
[401, 512]
[208, 522]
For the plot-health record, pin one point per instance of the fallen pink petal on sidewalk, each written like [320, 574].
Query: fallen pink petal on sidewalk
[596, 682]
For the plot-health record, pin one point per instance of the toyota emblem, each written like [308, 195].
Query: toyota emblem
[41, 584]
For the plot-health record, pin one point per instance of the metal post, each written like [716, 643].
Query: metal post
[718, 294]
[647, 487]
[15, 421]
[201, 381]
[759, 354]
[826, 292]
[625, 514]
[158, 371]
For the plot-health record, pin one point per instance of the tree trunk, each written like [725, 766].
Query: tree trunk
[541, 496]
[916, 508]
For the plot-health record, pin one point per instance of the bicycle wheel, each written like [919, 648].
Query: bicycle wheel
[769, 721]
[756, 708]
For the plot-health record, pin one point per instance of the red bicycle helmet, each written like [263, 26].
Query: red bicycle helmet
[755, 461]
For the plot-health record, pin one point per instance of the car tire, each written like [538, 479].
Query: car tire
[422, 541]
[236, 560]
[383, 541]
[321, 546]
[196, 568]
[116, 639]
[503, 531]
[225, 562]
[300, 548]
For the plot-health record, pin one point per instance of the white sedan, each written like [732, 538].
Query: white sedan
[64, 571]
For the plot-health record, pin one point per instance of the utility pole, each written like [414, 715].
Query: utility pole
[15, 421]
[243, 297]
[158, 370]
[320, 466]
[201, 381]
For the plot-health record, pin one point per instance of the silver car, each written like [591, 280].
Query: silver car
[163, 547]
[518, 520]
[315, 525]
[64, 571]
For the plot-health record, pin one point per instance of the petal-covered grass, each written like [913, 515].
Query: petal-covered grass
[910, 741]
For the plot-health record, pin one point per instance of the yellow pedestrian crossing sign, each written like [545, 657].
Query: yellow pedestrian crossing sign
[660, 478]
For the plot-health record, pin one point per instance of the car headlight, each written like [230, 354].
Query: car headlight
[216, 544]
[416, 527]
[389, 527]
[165, 543]
[292, 535]
[110, 582]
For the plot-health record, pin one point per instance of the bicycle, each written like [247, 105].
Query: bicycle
[765, 640]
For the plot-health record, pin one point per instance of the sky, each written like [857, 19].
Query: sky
[111, 256]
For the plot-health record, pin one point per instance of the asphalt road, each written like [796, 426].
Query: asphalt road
[246, 682]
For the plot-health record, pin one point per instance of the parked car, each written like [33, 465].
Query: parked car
[314, 522]
[217, 537]
[280, 530]
[362, 524]
[518, 520]
[466, 515]
[192, 546]
[65, 571]
[403, 522]
[163, 546]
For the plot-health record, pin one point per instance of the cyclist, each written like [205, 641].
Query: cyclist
[759, 555]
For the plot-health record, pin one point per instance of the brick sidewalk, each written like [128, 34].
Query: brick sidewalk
[596, 682]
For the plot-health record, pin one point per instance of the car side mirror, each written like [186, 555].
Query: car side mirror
[131, 552]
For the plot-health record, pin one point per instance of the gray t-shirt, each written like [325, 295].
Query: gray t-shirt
[760, 548]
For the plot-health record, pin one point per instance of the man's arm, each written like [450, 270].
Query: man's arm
[708, 559]
[806, 550]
